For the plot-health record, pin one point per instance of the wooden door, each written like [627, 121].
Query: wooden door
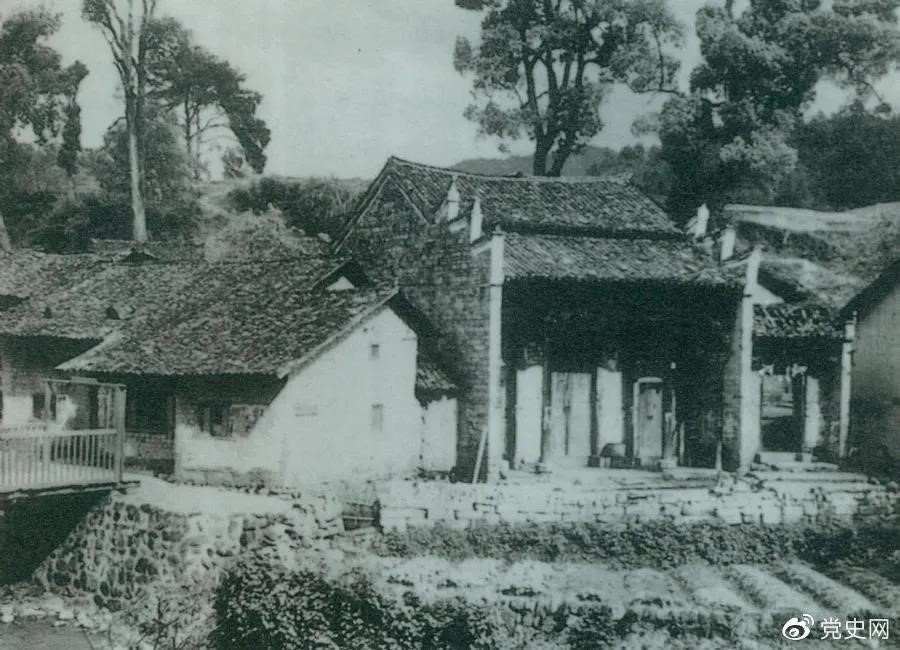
[570, 417]
[649, 420]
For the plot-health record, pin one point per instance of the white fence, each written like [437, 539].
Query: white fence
[33, 457]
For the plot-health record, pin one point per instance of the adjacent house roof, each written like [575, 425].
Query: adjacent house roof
[874, 292]
[596, 205]
[210, 318]
[787, 321]
[25, 273]
[553, 257]
[236, 336]
[431, 378]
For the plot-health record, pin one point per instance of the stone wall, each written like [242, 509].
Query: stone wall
[122, 547]
[731, 500]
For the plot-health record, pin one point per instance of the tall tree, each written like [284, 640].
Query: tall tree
[206, 94]
[126, 25]
[71, 133]
[36, 93]
[731, 134]
[543, 67]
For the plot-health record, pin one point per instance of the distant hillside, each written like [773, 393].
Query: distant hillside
[578, 165]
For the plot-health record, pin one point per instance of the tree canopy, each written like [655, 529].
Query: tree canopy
[732, 133]
[205, 93]
[543, 67]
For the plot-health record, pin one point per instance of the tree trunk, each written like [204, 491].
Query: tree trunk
[539, 166]
[139, 227]
[5, 243]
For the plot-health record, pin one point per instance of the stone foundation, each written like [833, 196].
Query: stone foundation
[732, 500]
[120, 547]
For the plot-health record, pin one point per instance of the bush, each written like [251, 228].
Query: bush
[653, 544]
[315, 205]
[263, 606]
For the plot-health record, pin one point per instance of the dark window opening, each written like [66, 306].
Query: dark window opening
[148, 411]
[38, 404]
[213, 418]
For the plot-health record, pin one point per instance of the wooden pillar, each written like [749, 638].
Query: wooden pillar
[546, 429]
[120, 431]
[846, 374]
[594, 458]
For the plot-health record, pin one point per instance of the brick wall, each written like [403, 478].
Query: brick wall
[439, 272]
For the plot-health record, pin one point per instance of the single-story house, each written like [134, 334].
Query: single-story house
[583, 325]
[286, 371]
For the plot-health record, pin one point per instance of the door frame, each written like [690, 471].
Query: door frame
[635, 396]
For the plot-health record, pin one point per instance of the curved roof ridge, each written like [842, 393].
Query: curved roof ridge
[612, 178]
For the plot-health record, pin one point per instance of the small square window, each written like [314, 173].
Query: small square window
[377, 417]
[374, 351]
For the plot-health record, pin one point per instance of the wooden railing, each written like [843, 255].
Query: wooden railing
[33, 457]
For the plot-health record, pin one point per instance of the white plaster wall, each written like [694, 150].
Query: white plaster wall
[325, 411]
[17, 405]
[439, 435]
[875, 385]
[196, 450]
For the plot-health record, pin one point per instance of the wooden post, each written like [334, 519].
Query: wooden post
[594, 459]
[546, 432]
[120, 432]
[846, 374]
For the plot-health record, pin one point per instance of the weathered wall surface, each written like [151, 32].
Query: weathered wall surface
[244, 457]
[24, 364]
[351, 413]
[875, 388]
[121, 548]
[439, 435]
[440, 272]
[410, 503]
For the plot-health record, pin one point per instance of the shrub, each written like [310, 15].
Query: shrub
[658, 544]
[263, 606]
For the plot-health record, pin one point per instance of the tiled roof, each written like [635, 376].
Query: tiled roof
[598, 205]
[25, 273]
[786, 321]
[430, 377]
[593, 259]
[241, 335]
[872, 294]
[170, 251]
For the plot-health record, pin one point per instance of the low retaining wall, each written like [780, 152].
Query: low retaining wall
[735, 501]
[123, 546]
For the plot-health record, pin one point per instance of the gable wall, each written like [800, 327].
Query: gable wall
[440, 274]
[875, 387]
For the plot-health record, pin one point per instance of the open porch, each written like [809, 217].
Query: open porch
[77, 444]
[616, 375]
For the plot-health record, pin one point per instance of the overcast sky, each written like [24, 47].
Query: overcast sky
[346, 83]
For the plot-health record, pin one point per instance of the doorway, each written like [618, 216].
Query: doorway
[648, 419]
[570, 418]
